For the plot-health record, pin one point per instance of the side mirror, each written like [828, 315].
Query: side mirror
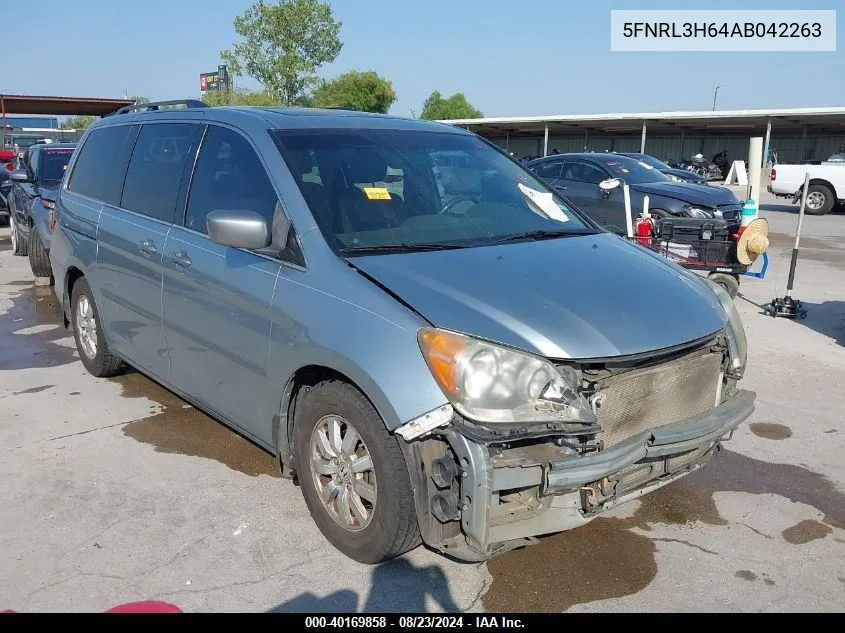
[238, 229]
[19, 175]
[610, 183]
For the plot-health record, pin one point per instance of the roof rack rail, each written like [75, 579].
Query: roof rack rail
[154, 106]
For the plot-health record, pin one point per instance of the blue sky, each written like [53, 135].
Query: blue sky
[510, 58]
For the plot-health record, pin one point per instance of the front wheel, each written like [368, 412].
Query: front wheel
[820, 200]
[353, 474]
[39, 259]
[18, 243]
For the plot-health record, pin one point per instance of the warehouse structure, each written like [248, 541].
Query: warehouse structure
[796, 135]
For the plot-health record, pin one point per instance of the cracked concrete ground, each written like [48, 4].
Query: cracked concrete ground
[116, 490]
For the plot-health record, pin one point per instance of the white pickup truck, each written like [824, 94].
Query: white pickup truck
[827, 184]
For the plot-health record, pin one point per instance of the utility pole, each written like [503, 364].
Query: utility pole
[715, 93]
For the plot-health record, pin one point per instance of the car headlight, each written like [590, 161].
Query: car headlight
[490, 383]
[735, 332]
[697, 212]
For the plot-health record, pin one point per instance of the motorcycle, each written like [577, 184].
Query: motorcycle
[702, 167]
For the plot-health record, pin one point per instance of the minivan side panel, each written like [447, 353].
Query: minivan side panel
[338, 315]
[216, 313]
[74, 241]
[129, 279]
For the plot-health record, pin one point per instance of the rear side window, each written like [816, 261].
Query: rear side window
[102, 162]
[156, 169]
[549, 170]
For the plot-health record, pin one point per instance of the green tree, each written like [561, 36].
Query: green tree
[78, 123]
[455, 107]
[139, 100]
[240, 97]
[364, 91]
[283, 45]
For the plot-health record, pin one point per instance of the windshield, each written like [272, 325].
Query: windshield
[631, 170]
[54, 163]
[651, 160]
[397, 189]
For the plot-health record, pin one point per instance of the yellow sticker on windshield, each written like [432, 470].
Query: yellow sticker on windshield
[377, 193]
[623, 170]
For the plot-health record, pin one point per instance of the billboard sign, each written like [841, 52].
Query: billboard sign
[215, 81]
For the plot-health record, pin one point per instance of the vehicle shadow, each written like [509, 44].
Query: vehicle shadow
[396, 586]
[826, 318]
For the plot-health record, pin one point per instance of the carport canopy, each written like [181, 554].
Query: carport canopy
[79, 106]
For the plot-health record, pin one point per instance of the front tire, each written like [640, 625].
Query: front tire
[91, 344]
[39, 259]
[820, 200]
[353, 475]
[18, 243]
[729, 282]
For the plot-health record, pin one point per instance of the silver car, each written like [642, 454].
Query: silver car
[437, 346]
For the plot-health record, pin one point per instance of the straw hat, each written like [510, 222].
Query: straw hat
[753, 242]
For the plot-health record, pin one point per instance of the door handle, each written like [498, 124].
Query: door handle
[147, 247]
[180, 258]
[560, 187]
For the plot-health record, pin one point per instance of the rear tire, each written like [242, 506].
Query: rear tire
[357, 489]
[729, 282]
[39, 259]
[19, 245]
[820, 200]
[88, 333]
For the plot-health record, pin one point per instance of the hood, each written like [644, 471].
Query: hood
[703, 195]
[685, 175]
[49, 191]
[593, 296]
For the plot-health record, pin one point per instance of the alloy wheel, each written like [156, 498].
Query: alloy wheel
[343, 473]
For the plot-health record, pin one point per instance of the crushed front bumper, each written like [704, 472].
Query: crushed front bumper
[510, 495]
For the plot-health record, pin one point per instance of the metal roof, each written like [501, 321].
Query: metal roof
[30, 104]
[718, 120]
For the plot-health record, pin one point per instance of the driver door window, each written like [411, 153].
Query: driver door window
[582, 171]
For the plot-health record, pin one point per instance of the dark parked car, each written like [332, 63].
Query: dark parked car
[676, 175]
[32, 202]
[577, 177]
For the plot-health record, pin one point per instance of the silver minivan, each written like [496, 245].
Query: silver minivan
[436, 346]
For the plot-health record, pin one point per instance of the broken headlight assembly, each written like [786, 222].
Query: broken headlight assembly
[489, 383]
[735, 332]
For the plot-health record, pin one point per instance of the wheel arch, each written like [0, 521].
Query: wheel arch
[307, 376]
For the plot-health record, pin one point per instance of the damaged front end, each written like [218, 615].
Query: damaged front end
[607, 432]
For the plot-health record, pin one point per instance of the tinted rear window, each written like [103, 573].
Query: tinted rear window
[54, 163]
[102, 162]
[155, 171]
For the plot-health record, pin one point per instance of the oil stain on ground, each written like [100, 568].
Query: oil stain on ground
[770, 430]
[746, 574]
[180, 428]
[605, 559]
[805, 531]
[33, 390]
[34, 306]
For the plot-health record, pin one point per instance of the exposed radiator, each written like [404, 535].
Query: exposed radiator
[645, 399]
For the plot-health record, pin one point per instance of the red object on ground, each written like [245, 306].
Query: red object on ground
[145, 606]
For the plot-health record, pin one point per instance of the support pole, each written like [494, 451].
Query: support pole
[642, 140]
[587, 140]
[682, 143]
[3, 124]
[546, 141]
[507, 140]
[629, 220]
[755, 151]
[766, 143]
[794, 261]
[803, 143]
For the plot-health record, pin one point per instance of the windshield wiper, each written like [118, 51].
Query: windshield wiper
[399, 248]
[538, 235]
